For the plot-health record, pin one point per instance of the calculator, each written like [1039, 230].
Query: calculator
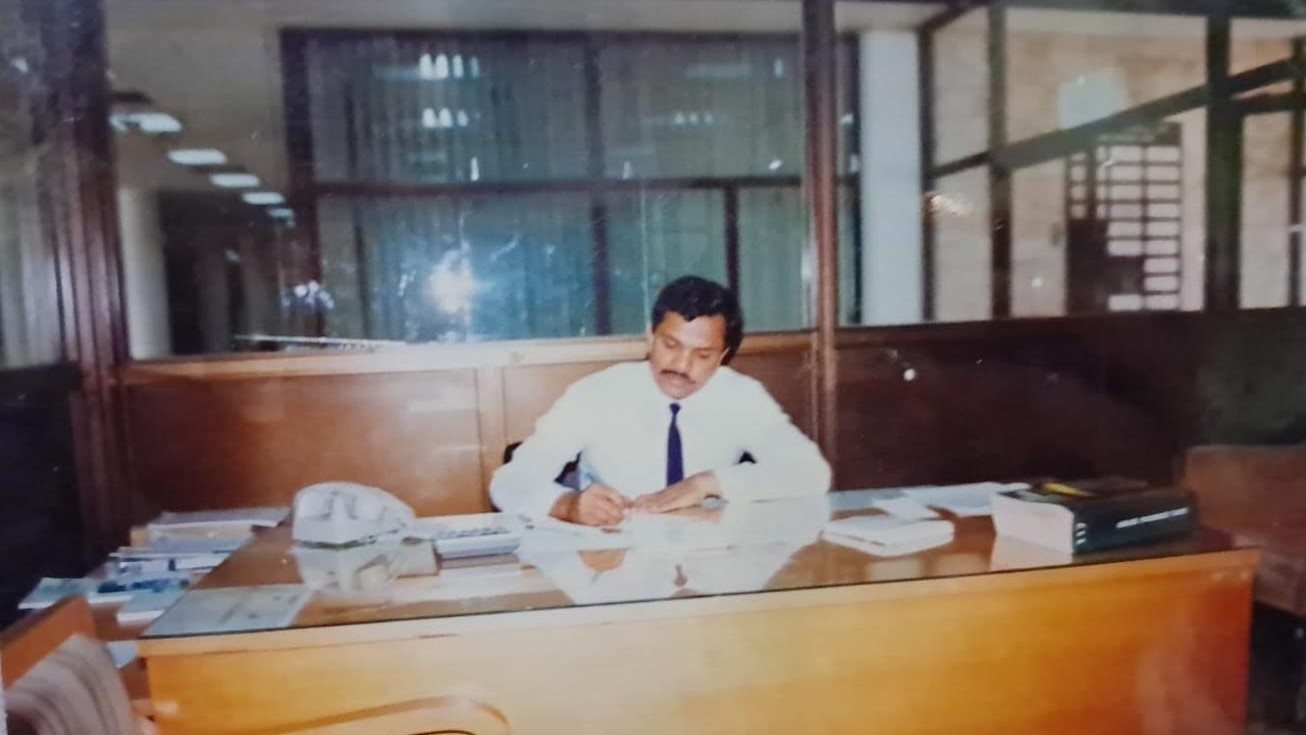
[478, 534]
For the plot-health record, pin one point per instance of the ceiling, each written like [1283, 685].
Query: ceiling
[215, 64]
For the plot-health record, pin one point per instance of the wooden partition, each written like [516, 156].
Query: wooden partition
[1067, 397]
[427, 424]
[945, 403]
[40, 524]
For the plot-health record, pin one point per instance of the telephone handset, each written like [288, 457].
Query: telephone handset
[341, 513]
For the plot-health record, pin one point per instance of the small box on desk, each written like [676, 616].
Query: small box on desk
[1078, 517]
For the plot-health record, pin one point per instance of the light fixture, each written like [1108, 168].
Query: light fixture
[282, 212]
[233, 180]
[263, 197]
[150, 123]
[197, 156]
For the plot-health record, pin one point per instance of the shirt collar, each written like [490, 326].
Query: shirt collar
[664, 401]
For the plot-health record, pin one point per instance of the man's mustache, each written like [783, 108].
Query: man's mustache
[674, 374]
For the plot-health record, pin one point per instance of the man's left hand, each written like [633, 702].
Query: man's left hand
[688, 492]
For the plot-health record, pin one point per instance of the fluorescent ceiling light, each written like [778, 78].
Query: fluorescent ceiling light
[157, 122]
[263, 197]
[234, 180]
[197, 156]
[282, 212]
[150, 123]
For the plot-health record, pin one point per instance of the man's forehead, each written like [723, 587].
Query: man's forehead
[704, 331]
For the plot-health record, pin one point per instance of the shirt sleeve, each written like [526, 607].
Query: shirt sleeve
[786, 463]
[526, 484]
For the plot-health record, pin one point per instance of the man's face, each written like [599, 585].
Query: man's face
[684, 355]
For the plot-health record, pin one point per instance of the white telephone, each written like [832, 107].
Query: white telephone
[341, 513]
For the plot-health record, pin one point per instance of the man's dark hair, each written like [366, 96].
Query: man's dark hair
[692, 297]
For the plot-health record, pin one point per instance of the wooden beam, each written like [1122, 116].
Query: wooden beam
[79, 199]
[929, 149]
[1224, 173]
[1296, 150]
[947, 17]
[818, 44]
[1000, 207]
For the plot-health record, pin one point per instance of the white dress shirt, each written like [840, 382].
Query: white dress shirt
[617, 421]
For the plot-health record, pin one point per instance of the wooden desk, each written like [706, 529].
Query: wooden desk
[980, 635]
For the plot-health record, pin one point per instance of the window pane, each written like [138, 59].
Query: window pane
[701, 108]
[961, 81]
[655, 237]
[29, 321]
[440, 108]
[962, 273]
[1265, 210]
[480, 268]
[1067, 68]
[446, 183]
[773, 247]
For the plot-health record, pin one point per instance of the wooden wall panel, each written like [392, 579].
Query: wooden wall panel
[252, 442]
[787, 376]
[1072, 398]
[432, 438]
[41, 534]
[529, 391]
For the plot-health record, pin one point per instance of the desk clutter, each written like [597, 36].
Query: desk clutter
[378, 541]
[166, 556]
[1071, 517]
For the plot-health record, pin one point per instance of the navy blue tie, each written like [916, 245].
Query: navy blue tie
[675, 458]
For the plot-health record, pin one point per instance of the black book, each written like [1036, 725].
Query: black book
[1078, 517]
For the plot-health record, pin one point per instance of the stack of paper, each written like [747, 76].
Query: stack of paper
[119, 588]
[887, 535]
[235, 523]
[175, 555]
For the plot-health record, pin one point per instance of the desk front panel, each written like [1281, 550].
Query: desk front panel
[1143, 646]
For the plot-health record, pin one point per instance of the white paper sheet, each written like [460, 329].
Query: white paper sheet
[974, 499]
[232, 610]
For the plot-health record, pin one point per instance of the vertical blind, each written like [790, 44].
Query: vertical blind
[475, 187]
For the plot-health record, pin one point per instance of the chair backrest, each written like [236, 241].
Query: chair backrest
[59, 679]
[569, 475]
[29, 641]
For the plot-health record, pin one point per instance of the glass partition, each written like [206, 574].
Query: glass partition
[389, 173]
[29, 315]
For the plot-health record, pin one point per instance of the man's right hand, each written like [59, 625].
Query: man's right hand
[597, 505]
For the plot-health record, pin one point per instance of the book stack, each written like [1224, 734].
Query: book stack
[1083, 516]
[164, 559]
[194, 541]
[237, 523]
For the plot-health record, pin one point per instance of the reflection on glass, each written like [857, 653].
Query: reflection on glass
[1266, 221]
[420, 269]
[962, 273]
[447, 184]
[29, 323]
[1067, 68]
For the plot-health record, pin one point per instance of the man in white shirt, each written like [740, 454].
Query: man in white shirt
[665, 433]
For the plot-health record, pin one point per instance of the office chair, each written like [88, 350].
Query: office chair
[59, 680]
[569, 476]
